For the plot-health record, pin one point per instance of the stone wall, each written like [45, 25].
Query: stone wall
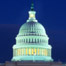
[32, 64]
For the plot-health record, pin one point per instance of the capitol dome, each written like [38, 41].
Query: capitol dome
[32, 28]
[32, 42]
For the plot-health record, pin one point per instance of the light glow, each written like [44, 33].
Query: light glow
[38, 51]
[32, 16]
[26, 51]
[29, 51]
[32, 51]
[35, 52]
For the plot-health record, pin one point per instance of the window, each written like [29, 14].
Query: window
[42, 52]
[38, 51]
[38, 40]
[32, 16]
[32, 51]
[35, 40]
[29, 51]
[35, 52]
[32, 40]
[22, 51]
[26, 51]
[45, 52]
[14, 52]
[19, 52]
[26, 40]
[29, 40]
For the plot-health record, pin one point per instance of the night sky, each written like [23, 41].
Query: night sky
[50, 13]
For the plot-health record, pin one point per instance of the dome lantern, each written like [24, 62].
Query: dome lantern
[32, 14]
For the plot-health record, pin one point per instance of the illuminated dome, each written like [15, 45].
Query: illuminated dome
[32, 41]
[32, 28]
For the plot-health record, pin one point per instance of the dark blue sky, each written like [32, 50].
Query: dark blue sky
[52, 14]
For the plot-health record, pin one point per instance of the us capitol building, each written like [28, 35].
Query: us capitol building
[32, 47]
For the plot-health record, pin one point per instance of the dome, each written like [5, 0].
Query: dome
[33, 28]
[32, 42]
